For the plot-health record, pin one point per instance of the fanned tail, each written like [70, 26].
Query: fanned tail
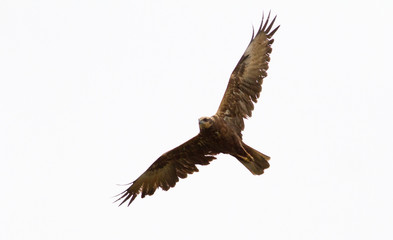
[257, 165]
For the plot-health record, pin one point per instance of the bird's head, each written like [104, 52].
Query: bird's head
[205, 123]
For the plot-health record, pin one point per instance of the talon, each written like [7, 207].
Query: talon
[247, 158]
[251, 157]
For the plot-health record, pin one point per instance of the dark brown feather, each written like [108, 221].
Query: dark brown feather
[166, 170]
[245, 83]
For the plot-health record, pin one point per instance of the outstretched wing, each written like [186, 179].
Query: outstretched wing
[245, 83]
[169, 167]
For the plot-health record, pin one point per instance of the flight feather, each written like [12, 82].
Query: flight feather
[245, 83]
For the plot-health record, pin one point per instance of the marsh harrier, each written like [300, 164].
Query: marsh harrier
[220, 133]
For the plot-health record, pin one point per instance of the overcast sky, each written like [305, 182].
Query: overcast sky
[92, 92]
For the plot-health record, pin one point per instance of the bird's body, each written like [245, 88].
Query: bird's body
[221, 137]
[220, 133]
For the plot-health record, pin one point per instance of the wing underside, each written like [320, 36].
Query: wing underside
[168, 168]
[245, 83]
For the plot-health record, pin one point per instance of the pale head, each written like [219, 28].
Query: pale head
[205, 122]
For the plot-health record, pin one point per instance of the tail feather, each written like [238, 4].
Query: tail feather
[260, 162]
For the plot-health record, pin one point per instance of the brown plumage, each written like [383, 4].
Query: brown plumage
[220, 133]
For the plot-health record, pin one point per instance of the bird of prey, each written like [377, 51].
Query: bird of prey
[220, 133]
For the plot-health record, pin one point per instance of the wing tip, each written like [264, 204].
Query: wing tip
[253, 34]
[126, 195]
[266, 27]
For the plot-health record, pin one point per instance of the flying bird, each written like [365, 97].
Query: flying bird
[220, 133]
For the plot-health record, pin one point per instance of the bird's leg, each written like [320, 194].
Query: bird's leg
[245, 155]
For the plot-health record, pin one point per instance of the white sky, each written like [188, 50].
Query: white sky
[92, 92]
